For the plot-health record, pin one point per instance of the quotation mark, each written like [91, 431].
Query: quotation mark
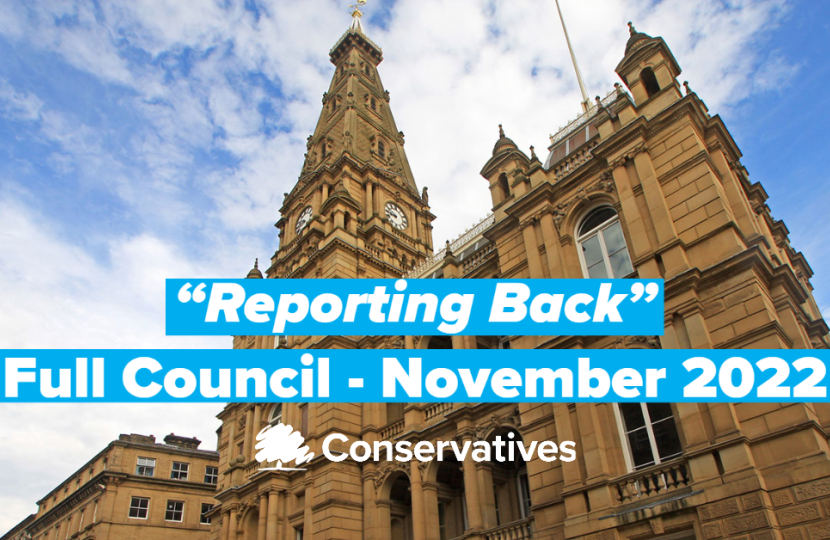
[197, 296]
[651, 289]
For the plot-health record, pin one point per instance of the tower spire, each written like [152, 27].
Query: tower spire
[585, 101]
[357, 26]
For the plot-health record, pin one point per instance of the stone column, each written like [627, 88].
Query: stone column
[255, 428]
[370, 525]
[223, 532]
[367, 212]
[565, 432]
[284, 506]
[418, 517]
[488, 510]
[232, 524]
[271, 523]
[631, 213]
[430, 490]
[593, 445]
[552, 247]
[308, 516]
[263, 516]
[384, 514]
[249, 427]
[471, 489]
[674, 258]
[534, 262]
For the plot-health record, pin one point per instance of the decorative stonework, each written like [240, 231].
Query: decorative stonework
[718, 509]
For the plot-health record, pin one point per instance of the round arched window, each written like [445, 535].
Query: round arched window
[275, 416]
[602, 247]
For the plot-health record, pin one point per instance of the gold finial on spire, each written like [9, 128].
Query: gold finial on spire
[357, 26]
[357, 6]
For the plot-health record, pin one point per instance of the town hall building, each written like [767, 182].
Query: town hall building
[644, 183]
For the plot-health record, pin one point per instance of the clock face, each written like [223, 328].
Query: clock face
[303, 220]
[396, 216]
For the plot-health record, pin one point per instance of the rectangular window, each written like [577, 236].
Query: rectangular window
[211, 475]
[179, 470]
[145, 467]
[650, 432]
[139, 506]
[298, 533]
[175, 511]
[442, 521]
[206, 507]
[524, 494]
[304, 420]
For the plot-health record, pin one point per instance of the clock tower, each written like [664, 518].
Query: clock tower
[355, 211]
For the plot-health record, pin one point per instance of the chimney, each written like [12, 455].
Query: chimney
[182, 442]
[136, 438]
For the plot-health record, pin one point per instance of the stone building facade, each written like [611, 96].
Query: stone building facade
[134, 488]
[645, 183]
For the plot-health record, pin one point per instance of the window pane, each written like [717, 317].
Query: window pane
[666, 438]
[614, 239]
[632, 414]
[598, 271]
[596, 218]
[641, 453]
[591, 251]
[659, 411]
[621, 264]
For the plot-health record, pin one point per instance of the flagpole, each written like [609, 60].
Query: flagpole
[585, 100]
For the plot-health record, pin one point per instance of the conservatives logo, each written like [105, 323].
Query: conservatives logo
[281, 444]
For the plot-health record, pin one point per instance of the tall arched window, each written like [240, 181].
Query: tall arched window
[275, 416]
[649, 81]
[602, 246]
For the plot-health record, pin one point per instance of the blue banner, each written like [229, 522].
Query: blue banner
[387, 307]
[412, 375]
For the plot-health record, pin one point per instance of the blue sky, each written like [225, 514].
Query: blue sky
[154, 139]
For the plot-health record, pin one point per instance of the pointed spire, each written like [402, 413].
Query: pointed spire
[357, 26]
[585, 100]
[255, 273]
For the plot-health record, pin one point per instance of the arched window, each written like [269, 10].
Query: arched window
[381, 149]
[649, 433]
[275, 416]
[504, 186]
[649, 81]
[347, 221]
[602, 246]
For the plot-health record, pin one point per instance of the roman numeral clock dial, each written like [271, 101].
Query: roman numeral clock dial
[396, 216]
[303, 220]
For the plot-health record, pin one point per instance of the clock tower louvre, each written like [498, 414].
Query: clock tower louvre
[356, 210]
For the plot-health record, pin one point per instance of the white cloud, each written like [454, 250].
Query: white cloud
[455, 69]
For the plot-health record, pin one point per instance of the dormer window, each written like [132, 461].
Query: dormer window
[649, 81]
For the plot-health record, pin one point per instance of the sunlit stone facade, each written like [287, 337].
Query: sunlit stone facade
[645, 184]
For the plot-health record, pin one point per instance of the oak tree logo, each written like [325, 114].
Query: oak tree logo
[281, 444]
